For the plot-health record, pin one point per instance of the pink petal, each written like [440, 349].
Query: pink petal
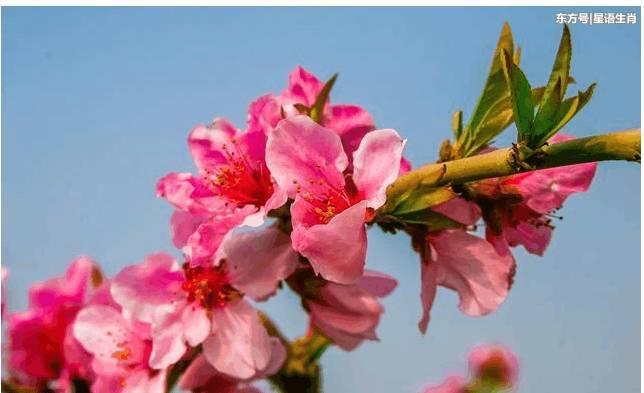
[378, 284]
[104, 333]
[150, 288]
[405, 166]
[144, 381]
[205, 241]
[258, 260]
[347, 314]
[264, 114]
[428, 285]
[460, 210]
[336, 250]
[453, 384]
[183, 225]
[352, 123]
[206, 143]
[239, 345]
[472, 267]
[376, 164]
[534, 237]
[300, 151]
[73, 287]
[189, 193]
[198, 374]
[303, 86]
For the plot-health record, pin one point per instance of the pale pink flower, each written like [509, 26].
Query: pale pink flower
[42, 350]
[331, 207]
[233, 187]
[468, 265]
[202, 377]
[350, 122]
[517, 209]
[120, 348]
[205, 304]
[346, 314]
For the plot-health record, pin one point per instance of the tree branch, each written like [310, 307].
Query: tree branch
[623, 145]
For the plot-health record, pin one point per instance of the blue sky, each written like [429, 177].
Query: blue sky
[97, 104]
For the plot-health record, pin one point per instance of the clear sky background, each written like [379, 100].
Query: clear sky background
[97, 104]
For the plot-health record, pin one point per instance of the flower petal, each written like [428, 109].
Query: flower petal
[258, 260]
[378, 284]
[189, 193]
[149, 288]
[207, 143]
[428, 285]
[472, 267]
[352, 123]
[104, 333]
[300, 151]
[336, 250]
[459, 209]
[303, 86]
[376, 164]
[239, 345]
[183, 225]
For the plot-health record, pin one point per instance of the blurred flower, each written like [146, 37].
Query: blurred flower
[42, 349]
[492, 369]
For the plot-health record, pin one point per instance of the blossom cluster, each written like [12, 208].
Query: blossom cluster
[287, 200]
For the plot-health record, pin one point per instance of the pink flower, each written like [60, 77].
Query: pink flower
[205, 304]
[331, 206]
[201, 377]
[468, 265]
[350, 122]
[453, 384]
[120, 348]
[41, 347]
[346, 314]
[234, 187]
[495, 365]
[492, 369]
[517, 209]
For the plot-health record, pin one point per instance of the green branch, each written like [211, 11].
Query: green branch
[621, 146]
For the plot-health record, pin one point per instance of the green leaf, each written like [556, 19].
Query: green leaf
[317, 109]
[497, 119]
[561, 68]
[457, 124]
[546, 117]
[433, 220]
[568, 109]
[421, 198]
[521, 96]
[495, 86]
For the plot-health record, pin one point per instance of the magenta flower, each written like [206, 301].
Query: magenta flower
[349, 314]
[42, 349]
[517, 209]
[202, 377]
[205, 304]
[233, 187]
[331, 207]
[468, 265]
[120, 348]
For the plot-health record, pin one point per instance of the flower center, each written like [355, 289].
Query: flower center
[209, 286]
[326, 200]
[238, 180]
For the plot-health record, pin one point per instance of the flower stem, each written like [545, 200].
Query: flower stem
[623, 145]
